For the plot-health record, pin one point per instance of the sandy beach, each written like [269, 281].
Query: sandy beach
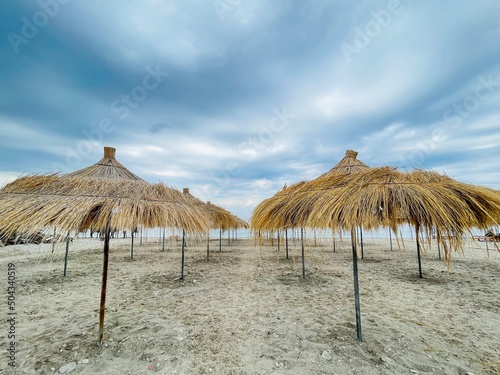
[248, 310]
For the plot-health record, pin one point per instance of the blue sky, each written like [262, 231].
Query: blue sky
[235, 98]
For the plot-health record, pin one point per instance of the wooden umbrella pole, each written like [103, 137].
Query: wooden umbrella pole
[418, 253]
[286, 242]
[356, 284]
[303, 257]
[220, 239]
[208, 245]
[104, 284]
[182, 258]
[66, 256]
[229, 237]
[163, 244]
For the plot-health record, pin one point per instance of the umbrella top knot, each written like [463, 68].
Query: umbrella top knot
[109, 152]
[185, 190]
[351, 153]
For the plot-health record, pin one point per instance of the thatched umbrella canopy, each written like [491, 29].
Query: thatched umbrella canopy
[224, 220]
[270, 214]
[108, 168]
[347, 165]
[277, 212]
[66, 203]
[74, 203]
[220, 217]
[205, 209]
[385, 197]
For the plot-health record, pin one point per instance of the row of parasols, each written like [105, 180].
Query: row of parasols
[106, 196]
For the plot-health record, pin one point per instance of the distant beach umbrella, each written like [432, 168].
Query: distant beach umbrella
[203, 208]
[223, 220]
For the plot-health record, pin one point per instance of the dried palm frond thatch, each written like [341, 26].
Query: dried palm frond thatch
[347, 165]
[223, 219]
[81, 201]
[107, 168]
[270, 214]
[78, 203]
[384, 197]
[218, 217]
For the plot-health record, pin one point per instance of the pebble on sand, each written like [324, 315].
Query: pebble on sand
[326, 355]
[67, 368]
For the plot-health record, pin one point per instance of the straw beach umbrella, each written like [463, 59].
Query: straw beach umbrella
[204, 208]
[218, 217]
[385, 197]
[347, 165]
[267, 215]
[271, 214]
[108, 168]
[223, 220]
[73, 203]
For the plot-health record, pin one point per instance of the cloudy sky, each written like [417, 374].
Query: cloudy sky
[235, 98]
